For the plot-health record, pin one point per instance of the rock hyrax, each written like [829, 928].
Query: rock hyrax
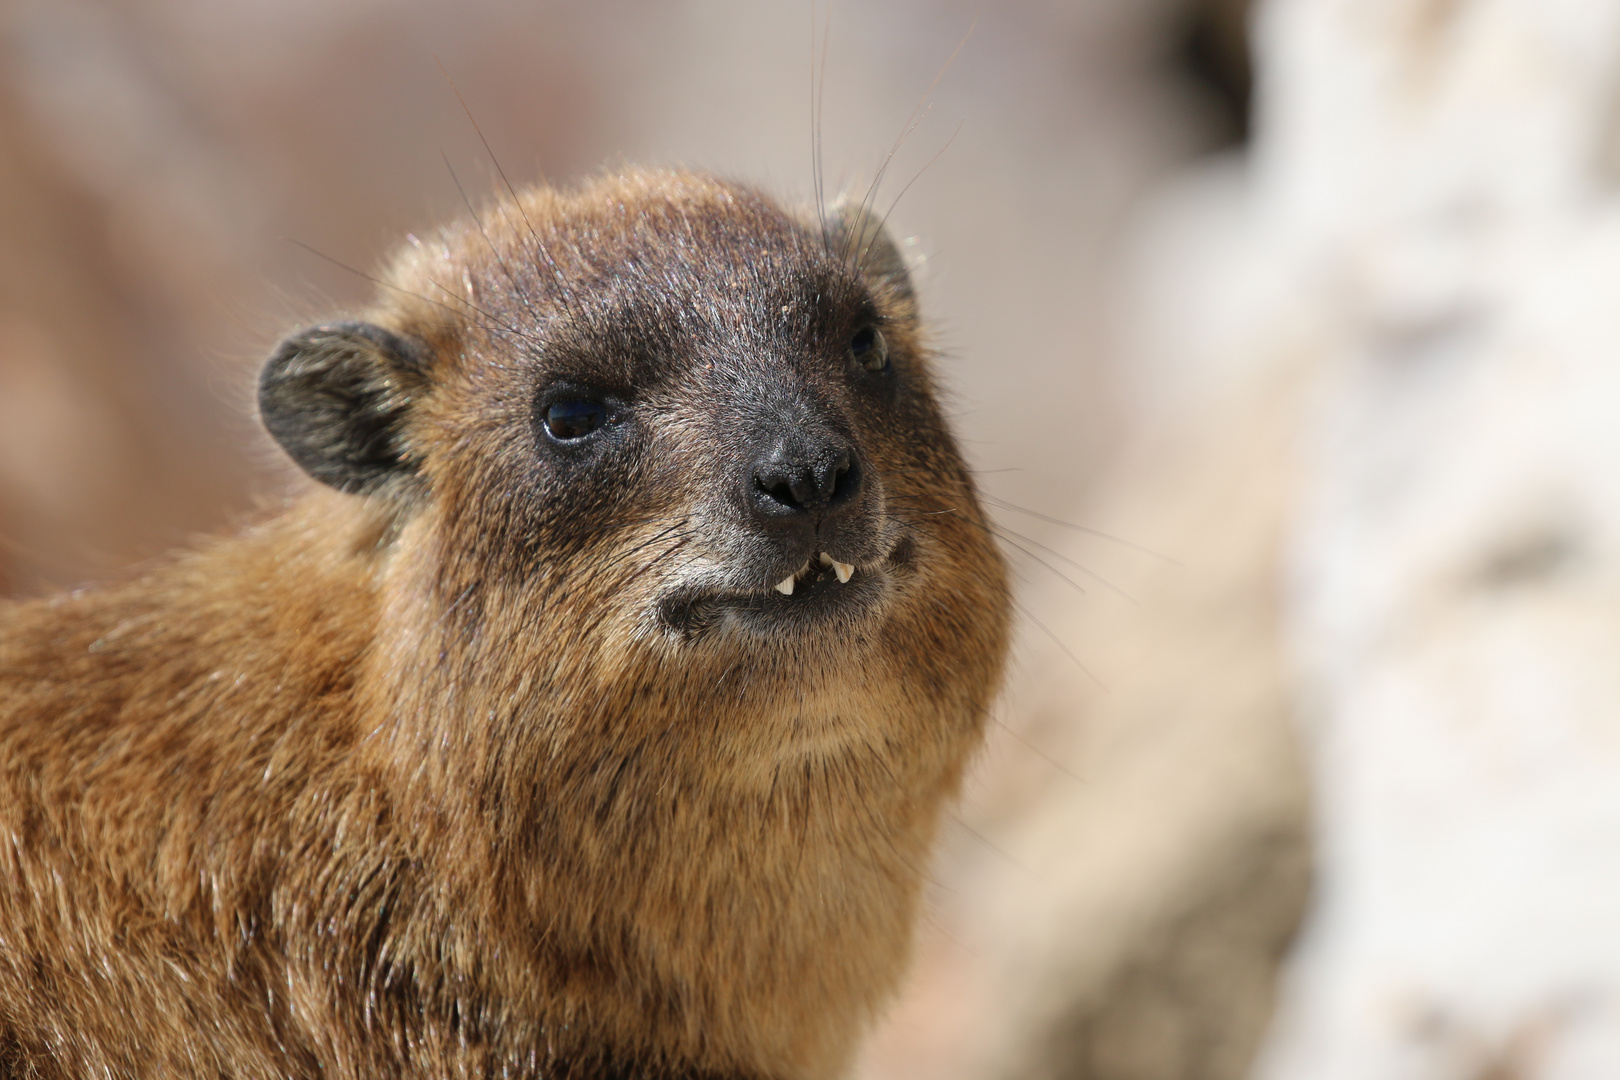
[592, 717]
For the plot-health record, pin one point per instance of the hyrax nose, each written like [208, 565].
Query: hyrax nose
[804, 479]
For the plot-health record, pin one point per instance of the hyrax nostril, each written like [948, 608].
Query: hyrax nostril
[846, 483]
[786, 484]
[780, 492]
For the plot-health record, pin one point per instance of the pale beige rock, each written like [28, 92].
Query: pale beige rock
[1444, 174]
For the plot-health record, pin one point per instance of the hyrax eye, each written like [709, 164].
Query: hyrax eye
[573, 418]
[868, 349]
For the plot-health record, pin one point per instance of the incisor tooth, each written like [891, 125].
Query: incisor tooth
[785, 586]
[844, 570]
[826, 559]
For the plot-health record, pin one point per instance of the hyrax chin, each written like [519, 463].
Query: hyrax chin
[593, 718]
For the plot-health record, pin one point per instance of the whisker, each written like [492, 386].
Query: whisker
[653, 540]
[541, 250]
[993, 846]
[631, 523]
[724, 675]
[911, 124]
[459, 600]
[627, 558]
[860, 264]
[500, 261]
[894, 783]
[1009, 535]
[911, 515]
[1026, 613]
[1012, 536]
[636, 571]
[930, 513]
[817, 177]
[1075, 585]
[515, 331]
[1016, 540]
[492, 325]
[1038, 752]
[938, 927]
[1004, 504]
[381, 284]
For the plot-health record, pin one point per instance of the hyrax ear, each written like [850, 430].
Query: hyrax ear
[335, 396]
[853, 231]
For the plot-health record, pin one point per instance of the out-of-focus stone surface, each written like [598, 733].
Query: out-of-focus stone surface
[1442, 179]
[95, 435]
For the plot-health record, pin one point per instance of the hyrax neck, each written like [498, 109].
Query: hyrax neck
[732, 888]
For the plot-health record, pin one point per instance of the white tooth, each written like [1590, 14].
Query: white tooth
[844, 571]
[826, 559]
[785, 586]
[803, 570]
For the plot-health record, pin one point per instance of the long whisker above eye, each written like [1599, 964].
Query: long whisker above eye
[860, 263]
[506, 271]
[456, 603]
[381, 284]
[493, 325]
[515, 331]
[542, 251]
[918, 114]
[817, 88]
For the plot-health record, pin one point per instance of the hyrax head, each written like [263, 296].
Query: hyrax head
[658, 410]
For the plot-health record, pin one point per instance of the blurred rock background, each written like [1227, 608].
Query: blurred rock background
[1295, 420]
[1440, 179]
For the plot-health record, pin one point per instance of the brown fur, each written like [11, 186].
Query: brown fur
[409, 783]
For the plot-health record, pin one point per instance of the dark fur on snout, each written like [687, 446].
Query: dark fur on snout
[496, 753]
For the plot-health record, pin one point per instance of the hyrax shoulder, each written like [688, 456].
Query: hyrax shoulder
[591, 717]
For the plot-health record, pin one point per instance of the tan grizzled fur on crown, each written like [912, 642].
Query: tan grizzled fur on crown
[378, 789]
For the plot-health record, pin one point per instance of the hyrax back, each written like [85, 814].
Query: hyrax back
[592, 719]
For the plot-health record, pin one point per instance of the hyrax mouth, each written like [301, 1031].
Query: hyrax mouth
[823, 592]
[844, 571]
